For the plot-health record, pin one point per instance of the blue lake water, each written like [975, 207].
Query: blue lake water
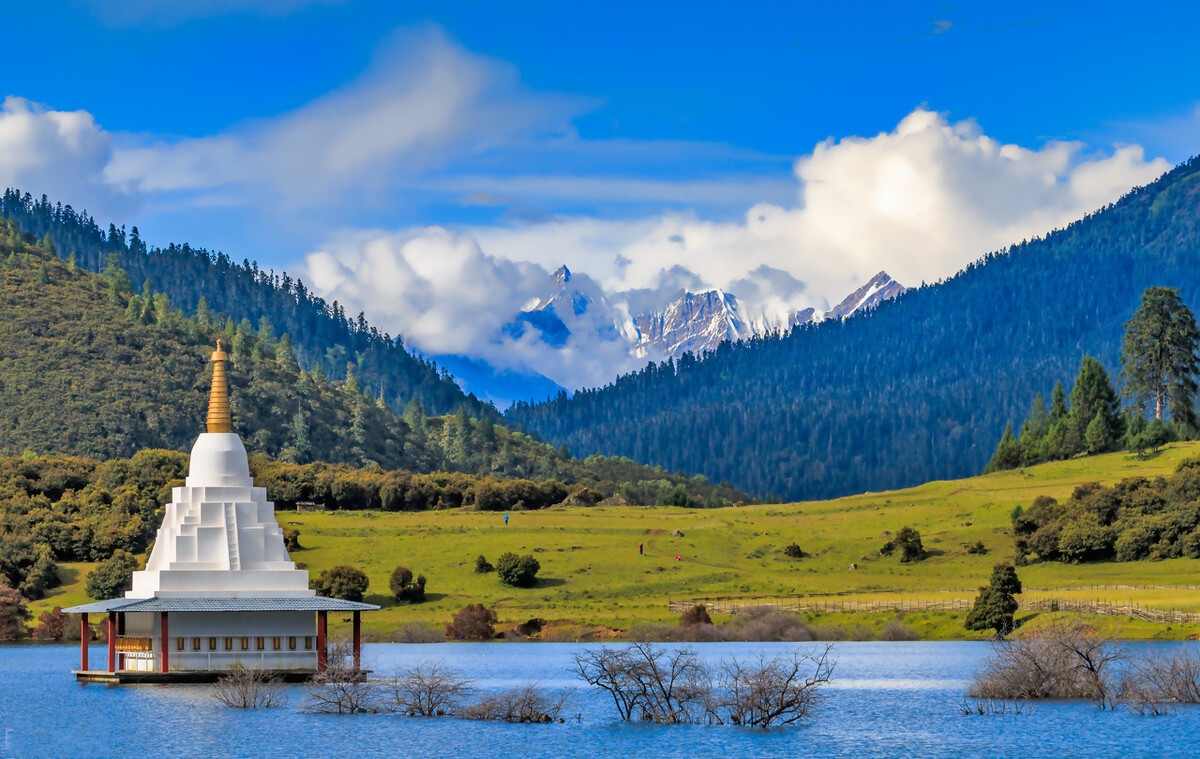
[886, 699]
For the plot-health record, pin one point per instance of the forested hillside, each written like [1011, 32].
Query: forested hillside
[919, 389]
[90, 368]
[321, 333]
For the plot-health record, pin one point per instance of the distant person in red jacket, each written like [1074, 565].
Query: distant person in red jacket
[641, 550]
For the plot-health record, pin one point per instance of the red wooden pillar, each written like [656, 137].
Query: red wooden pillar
[112, 641]
[85, 635]
[357, 643]
[322, 650]
[165, 649]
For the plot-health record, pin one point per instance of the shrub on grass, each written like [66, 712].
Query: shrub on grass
[343, 581]
[405, 588]
[697, 615]
[517, 571]
[908, 540]
[472, 622]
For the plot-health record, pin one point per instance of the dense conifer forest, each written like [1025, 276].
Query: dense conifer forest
[322, 334]
[921, 388]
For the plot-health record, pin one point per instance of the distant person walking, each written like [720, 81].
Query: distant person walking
[641, 550]
[506, 519]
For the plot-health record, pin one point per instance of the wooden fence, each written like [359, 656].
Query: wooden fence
[827, 605]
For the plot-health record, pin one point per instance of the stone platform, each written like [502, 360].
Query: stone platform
[132, 677]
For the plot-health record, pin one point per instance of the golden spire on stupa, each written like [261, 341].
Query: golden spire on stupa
[219, 419]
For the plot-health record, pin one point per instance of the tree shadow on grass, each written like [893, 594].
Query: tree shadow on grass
[66, 576]
[549, 582]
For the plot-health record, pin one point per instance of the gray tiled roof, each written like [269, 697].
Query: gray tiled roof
[278, 603]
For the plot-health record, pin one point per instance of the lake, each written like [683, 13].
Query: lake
[886, 699]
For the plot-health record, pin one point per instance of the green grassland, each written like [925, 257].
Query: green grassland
[592, 575]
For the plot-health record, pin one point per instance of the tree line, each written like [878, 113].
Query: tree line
[1138, 518]
[63, 508]
[1159, 365]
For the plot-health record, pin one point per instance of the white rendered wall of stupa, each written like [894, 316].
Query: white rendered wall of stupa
[219, 537]
[277, 640]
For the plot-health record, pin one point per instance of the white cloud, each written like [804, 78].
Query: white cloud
[62, 154]
[423, 103]
[169, 12]
[433, 286]
[920, 202]
[446, 296]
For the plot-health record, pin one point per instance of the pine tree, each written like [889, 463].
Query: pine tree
[1008, 453]
[995, 605]
[1158, 354]
[1033, 433]
[1098, 437]
[1093, 394]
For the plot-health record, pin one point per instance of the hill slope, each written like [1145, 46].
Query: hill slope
[918, 389]
[88, 368]
[321, 333]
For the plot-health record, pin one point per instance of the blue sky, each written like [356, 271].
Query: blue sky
[651, 146]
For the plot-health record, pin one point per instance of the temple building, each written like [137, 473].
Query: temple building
[219, 589]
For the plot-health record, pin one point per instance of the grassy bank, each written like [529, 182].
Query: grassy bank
[593, 576]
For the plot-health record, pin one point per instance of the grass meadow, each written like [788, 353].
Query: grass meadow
[592, 576]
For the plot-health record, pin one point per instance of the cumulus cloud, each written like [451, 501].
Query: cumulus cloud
[423, 102]
[920, 201]
[60, 153]
[446, 296]
[433, 286]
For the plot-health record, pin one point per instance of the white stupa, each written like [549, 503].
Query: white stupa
[219, 536]
[221, 572]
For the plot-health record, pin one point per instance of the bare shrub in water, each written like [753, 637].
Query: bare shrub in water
[245, 688]
[1153, 685]
[650, 683]
[428, 689]
[340, 688]
[1065, 660]
[525, 704]
[779, 691]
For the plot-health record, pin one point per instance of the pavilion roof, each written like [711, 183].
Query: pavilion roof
[169, 604]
